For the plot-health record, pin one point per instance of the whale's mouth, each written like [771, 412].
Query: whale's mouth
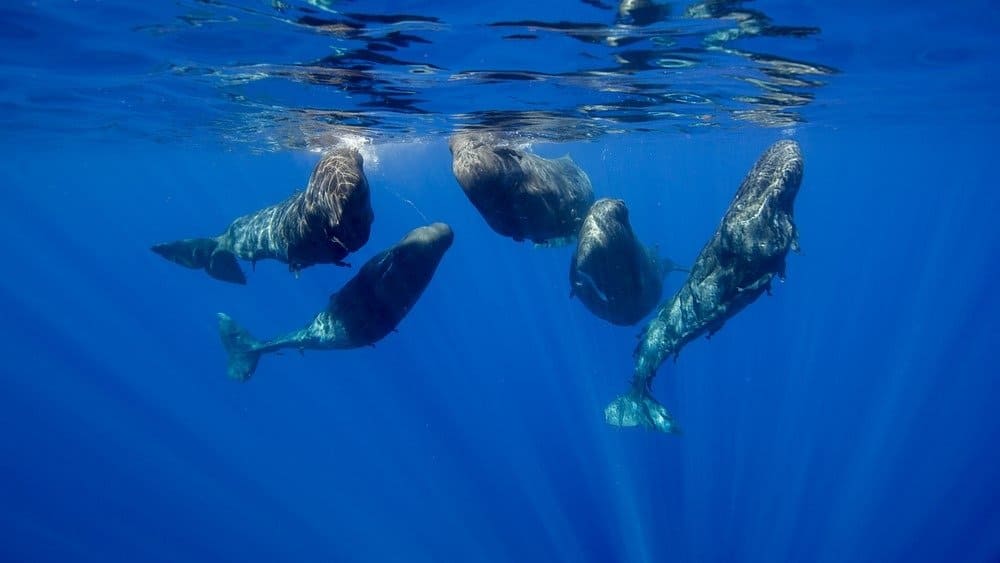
[588, 282]
[337, 244]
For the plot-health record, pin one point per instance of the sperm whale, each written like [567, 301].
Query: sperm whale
[321, 225]
[613, 274]
[520, 194]
[734, 268]
[367, 308]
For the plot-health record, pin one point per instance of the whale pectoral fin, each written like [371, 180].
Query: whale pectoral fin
[639, 408]
[222, 265]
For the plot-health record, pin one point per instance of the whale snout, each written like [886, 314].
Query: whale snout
[610, 208]
[783, 161]
[442, 235]
[440, 230]
[471, 140]
[438, 236]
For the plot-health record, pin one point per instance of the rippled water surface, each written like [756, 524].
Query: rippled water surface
[295, 72]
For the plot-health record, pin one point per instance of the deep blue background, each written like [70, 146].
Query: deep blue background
[849, 417]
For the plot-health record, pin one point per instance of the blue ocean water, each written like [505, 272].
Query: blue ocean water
[850, 416]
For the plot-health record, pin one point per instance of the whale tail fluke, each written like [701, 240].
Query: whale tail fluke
[241, 348]
[639, 408]
[203, 254]
[556, 242]
[667, 265]
[663, 264]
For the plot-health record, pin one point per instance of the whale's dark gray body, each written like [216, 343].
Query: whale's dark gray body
[734, 268]
[321, 225]
[521, 195]
[365, 310]
[614, 275]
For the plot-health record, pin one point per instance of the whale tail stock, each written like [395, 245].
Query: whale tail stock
[639, 408]
[242, 349]
[203, 254]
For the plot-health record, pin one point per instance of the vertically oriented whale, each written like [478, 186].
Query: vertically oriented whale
[321, 225]
[364, 311]
[613, 274]
[521, 195]
[734, 268]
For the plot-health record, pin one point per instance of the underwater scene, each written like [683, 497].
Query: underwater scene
[573, 280]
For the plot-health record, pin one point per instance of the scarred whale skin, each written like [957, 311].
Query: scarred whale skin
[734, 268]
[321, 225]
[520, 195]
[613, 274]
[365, 310]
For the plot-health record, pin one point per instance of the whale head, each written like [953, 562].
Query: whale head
[409, 265]
[428, 241]
[758, 226]
[375, 300]
[610, 209]
[335, 215]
